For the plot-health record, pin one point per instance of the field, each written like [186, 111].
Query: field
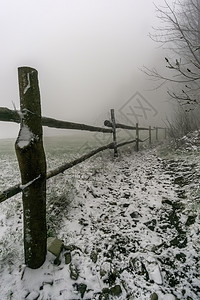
[129, 226]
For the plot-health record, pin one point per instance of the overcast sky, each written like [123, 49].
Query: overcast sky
[87, 52]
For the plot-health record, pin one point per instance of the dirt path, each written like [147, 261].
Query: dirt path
[135, 225]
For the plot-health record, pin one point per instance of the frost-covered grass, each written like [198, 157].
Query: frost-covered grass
[130, 226]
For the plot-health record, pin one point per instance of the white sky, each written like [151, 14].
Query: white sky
[88, 54]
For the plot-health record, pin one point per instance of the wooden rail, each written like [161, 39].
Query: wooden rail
[10, 192]
[9, 115]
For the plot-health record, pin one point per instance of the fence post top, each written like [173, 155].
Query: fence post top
[27, 67]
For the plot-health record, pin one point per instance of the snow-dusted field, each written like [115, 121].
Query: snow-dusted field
[129, 226]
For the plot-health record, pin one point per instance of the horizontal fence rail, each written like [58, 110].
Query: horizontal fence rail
[18, 188]
[27, 152]
[9, 115]
[107, 123]
[118, 125]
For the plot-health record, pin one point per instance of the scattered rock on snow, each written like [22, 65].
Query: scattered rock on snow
[135, 215]
[54, 245]
[116, 290]
[68, 257]
[81, 288]
[166, 200]
[105, 294]
[74, 272]
[83, 222]
[126, 195]
[181, 257]
[190, 220]
[126, 205]
[179, 241]
[151, 224]
[154, 296]
[94, 256]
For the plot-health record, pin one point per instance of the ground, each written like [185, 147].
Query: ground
[129, 228]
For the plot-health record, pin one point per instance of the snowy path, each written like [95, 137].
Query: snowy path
[127, 235]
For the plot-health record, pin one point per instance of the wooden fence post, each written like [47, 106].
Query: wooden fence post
[137, 138]
[150, 135]
[156, 133]
[114, 132]
[32, 164]
[165, 133]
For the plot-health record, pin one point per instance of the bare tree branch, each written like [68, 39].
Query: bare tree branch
[179, 34]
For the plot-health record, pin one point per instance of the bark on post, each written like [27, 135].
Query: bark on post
[32, 164]
[150, 135]
[114, 132]
[137, 138]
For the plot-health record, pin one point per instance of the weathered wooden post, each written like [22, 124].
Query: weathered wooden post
[137, 138]
[32, 164]
[114, 132]
[156, 133]
[149, 135]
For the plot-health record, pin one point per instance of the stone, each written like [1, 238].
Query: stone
[135, 215]
[82, 289]
[151, 224]
[68, 258]
[93, 256]
[74, 273]
[126, 195]
[83, 222]
[126, 205]
[179, 241]
[144, 189]
[116, 290]
[166, 200]
[113, 203]
[54, 245]
[154, 296]
[181, 257]
[105, 294]
[105, 291]
[190, 220]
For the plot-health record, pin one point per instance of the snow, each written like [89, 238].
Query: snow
[24, 186]
[28, 85]
[25, 136]
[127, 211]
[169, 297]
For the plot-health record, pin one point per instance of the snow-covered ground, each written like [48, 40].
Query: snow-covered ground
[129, 226]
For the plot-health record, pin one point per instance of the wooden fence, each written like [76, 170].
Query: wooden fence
[32, 163]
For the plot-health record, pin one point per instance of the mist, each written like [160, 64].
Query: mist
[88, 55]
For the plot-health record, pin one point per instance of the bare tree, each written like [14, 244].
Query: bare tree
[179, 35]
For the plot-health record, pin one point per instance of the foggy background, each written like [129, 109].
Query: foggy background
[87, 53]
